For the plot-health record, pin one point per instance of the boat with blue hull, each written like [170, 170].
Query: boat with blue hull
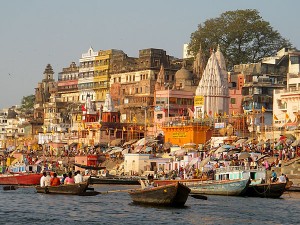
[259, 186]
[219, 187]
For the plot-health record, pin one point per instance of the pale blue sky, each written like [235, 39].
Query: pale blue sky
[34, 33]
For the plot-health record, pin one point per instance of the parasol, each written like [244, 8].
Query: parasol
[204, 161]
[296, 143]
[244, 155]
[220, 150]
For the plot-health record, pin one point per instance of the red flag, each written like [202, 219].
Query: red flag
[83, 108]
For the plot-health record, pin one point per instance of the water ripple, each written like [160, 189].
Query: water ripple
[25, 206]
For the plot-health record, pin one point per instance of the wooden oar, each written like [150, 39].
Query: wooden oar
[14, 187]
[116, 191]
[10, 187]
[197, 196]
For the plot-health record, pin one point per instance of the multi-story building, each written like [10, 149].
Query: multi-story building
[11, 128]
[3, 125]
[102, 73]
[86, 75]
[261, 79]
[67, 85]
[236, 83]
[286, 106]
[133, 80]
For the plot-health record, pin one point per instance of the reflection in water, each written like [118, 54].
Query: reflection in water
[24, 206]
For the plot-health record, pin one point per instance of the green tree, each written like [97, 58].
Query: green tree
[27, 103]
[243, 37]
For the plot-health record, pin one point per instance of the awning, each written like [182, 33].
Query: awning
[220, 150]
[204, 161]
[193, 161]
[130, 142]
[116, 142]
[296, 143]
[244, 155]
[73, 144]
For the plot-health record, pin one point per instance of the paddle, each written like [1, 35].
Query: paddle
[116, 191]
[13, 187]
[197, 196]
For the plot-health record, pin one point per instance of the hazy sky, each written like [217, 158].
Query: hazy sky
[34, 33]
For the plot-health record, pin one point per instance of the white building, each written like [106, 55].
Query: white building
[86, 75]
[136, 163]
[286, 104]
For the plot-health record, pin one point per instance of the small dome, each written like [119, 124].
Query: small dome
[183, 74]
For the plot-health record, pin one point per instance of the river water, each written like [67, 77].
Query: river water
[25, 206]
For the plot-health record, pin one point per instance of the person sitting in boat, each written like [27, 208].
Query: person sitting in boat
[54, 181]
[63, 178]
[45, 179]
[282, 178]
[150, 181]
[78, 178]
[69, 179]
[273, 176]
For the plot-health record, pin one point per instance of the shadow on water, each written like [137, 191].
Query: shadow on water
[144, 205]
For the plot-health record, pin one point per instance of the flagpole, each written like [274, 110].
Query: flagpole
[273, 118]
[263, 121]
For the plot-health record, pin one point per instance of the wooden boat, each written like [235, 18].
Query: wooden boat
[114, 180]
[169, 195]
[20, 179]
[219, 187]
[288, 185]
[229, 185]
[90, 167]
[267, 190]
[67, 189]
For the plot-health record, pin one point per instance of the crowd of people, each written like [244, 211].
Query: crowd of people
[51, 179]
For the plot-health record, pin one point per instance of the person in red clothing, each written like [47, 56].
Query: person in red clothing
[54, 181]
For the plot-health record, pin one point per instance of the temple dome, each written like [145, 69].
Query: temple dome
[183, 74]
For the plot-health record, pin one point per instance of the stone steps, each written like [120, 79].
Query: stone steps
[292, 170]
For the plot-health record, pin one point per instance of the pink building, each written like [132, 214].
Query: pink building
[235, 93]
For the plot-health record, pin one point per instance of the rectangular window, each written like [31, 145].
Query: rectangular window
[294, 59]
[232, 100]
[159, 116]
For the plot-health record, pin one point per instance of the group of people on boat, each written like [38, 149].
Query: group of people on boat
[48, 180]
[281, 179]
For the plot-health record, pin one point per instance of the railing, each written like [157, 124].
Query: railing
[238, 168]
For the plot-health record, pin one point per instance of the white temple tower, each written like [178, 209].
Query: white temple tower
[108, 104]
[213, 88]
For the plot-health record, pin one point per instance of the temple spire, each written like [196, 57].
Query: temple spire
[160, 82]
[199, 63]
[108, 104]
[213, 86]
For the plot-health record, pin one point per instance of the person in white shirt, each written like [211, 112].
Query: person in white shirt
[282, 179]
[43, 180]
[78, 178]
[47, 180]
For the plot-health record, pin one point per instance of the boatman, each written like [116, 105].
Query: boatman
[78, 178]
[274, 176]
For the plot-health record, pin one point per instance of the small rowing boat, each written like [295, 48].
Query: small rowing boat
[67, 189]
[174, 194]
